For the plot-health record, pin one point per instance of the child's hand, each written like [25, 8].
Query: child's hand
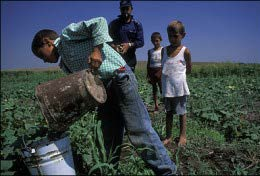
[95, 59]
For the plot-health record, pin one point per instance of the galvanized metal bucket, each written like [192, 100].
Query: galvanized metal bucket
[66, 99]
[49, 157]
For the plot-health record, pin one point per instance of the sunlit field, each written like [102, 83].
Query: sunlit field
[223, 127]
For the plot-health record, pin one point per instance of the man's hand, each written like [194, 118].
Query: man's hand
[119, 49]
[124, 48]
[95, 58]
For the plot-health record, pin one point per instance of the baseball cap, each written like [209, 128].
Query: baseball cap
[125, 3]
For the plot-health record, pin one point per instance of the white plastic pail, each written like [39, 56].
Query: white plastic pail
[46, 157]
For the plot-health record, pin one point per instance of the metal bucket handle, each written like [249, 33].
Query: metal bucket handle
[88, 81]
[26, 148]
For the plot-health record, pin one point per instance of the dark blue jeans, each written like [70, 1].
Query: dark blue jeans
[125, 109]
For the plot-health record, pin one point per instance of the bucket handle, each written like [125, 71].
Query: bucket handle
[28, 149]
[94, 72]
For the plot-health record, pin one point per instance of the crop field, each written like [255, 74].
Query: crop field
[223, 124]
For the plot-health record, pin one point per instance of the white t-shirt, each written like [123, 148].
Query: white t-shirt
[174, 82]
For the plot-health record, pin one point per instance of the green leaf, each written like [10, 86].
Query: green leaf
[7, 151]
[6, 164]
[100, 141]
[254, 136]
[28, 126]
[8, 173]
[210, 116]
[226, 113]
[99, 166]
[87, 158]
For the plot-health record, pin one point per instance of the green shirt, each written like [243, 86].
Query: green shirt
[77, 42]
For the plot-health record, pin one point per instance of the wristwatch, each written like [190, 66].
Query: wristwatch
[130, 44]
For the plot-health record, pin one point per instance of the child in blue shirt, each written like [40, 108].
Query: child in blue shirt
[84, 45]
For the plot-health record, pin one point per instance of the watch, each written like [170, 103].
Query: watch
[130, 44]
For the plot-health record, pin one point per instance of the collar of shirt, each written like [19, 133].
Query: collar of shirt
[120, 19]
[57, 41]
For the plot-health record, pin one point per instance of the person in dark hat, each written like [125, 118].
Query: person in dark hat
[127, 34]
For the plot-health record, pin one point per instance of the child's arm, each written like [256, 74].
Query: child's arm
[187, 57]
[148, 65]
[162, 51]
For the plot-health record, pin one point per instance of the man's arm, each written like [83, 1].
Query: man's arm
[139, 41]
[187, 57]
[112, 32]
[95, 58]
[95, 29]
[139, 36]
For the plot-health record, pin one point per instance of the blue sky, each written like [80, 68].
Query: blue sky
[217, 31]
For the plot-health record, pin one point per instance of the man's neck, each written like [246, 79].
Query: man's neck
[128, 20]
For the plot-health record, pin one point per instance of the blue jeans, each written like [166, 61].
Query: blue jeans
[125, 109]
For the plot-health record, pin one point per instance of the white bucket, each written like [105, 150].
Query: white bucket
[45, 157]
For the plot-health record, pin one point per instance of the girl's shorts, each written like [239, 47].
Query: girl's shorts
[176, 104]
